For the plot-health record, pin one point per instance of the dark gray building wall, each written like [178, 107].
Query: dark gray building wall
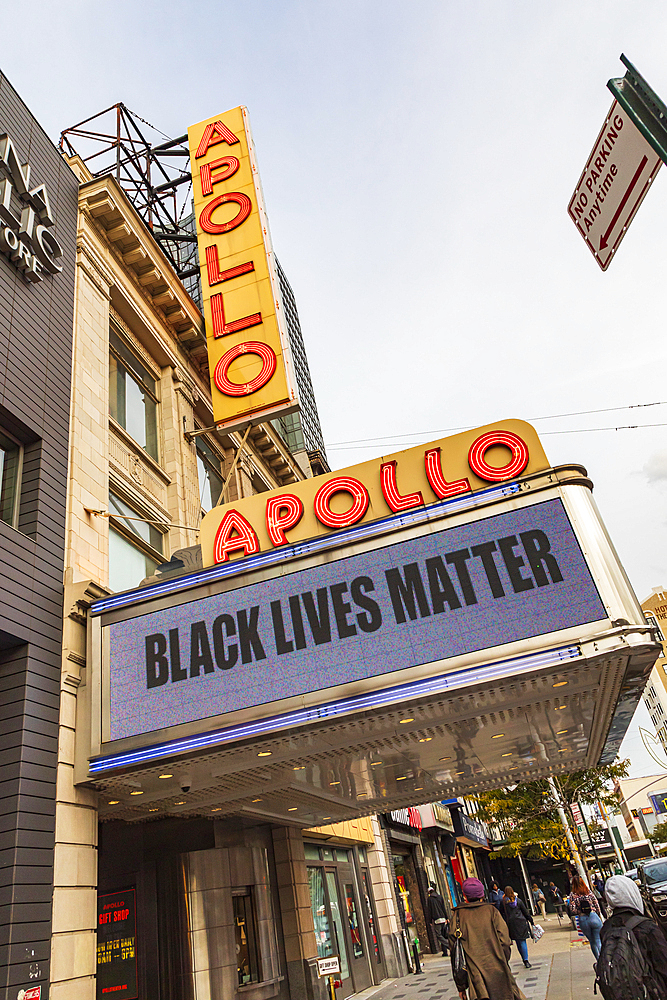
[36, 323]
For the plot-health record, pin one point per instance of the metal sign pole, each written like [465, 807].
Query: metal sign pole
[643, 106]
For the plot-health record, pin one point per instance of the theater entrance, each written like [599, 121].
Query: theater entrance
[344, 925]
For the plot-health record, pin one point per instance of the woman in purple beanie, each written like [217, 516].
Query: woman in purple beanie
[487, 946]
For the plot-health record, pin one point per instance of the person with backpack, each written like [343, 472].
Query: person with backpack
[632, 964]
[585, 906]
[540, 900]
[518, 921]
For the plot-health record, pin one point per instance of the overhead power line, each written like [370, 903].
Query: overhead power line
[374, 441]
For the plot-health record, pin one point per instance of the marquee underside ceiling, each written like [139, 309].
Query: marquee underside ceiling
[514, 729]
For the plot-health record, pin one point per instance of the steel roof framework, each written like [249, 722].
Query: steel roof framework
[154, 176]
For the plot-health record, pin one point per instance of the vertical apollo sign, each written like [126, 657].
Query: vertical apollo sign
[252, 374]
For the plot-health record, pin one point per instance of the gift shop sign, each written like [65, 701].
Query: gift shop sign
[400, 483]
[252, 374]
[26, 219]
[116, 945]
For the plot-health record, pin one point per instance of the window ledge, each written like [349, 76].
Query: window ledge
[137, 450]
[249, 987]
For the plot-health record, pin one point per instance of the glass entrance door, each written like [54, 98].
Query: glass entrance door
[329, 926]
[357, 938]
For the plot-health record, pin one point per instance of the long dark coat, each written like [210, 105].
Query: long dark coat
[518, 919]
[487, 946]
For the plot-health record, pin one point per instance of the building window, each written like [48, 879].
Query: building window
[246, 938]
[11, 455]
[132, 395]
[135, 547]
[209, 469]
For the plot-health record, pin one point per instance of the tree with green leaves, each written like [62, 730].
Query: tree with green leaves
[659, 834]
[527, 814]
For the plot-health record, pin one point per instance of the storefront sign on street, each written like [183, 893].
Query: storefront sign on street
[467, 828]
[615, 180]
[601, 840]
[328, 966]
[116, 945]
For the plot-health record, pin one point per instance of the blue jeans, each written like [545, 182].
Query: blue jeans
[590, 924]
[523, 949]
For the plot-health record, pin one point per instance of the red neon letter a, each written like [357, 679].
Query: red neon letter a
[213, 134]
[233, 535]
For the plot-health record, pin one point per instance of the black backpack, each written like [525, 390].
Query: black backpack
[622, 972]
[585, 906]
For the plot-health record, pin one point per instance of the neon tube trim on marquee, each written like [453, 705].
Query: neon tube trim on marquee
[283, 554]
[330, 710]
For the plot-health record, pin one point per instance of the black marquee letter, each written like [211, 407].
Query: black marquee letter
[224, 657]
[157, 664]
[538, 550]
[200, 650]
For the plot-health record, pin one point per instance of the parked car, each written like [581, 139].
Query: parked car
[653, 887]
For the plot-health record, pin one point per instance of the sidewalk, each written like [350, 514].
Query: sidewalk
[562, 969]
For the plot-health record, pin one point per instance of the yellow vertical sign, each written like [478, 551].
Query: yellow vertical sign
[252, 373]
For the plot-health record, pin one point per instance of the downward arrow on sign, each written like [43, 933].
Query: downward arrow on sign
[604, 239]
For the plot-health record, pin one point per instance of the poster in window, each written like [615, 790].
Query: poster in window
[116, 945]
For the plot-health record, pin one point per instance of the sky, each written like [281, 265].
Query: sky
[417, 161]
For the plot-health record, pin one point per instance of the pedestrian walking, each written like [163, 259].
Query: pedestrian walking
[495, 895]
[585, 906]
[437, 915]
[633, 954]
[556, 899]
[540, 900]
[486, 944]
[518, 920]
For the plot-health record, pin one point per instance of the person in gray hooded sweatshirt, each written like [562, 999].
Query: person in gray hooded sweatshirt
[624, 897]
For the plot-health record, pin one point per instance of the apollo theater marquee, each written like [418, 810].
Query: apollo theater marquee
[425, 624]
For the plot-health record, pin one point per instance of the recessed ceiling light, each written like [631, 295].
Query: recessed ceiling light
[561, 732]
[153, 809]
[497, 736]
[559, 707]
[426, 739]
[560, 684]
[334, 782]
[114, 802]
[459, 772]
[563, 751]
[165, 776]
[375, 763]
[264, 753]
[445, 758]
[299, 767]
[403, 777]
[403, 721]
[292, 809]
[255, 800]
[506, 754]
[181, 803]
[420, 789]
[217, 809]
[325, 817]
[515, 768]
[136, 792]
